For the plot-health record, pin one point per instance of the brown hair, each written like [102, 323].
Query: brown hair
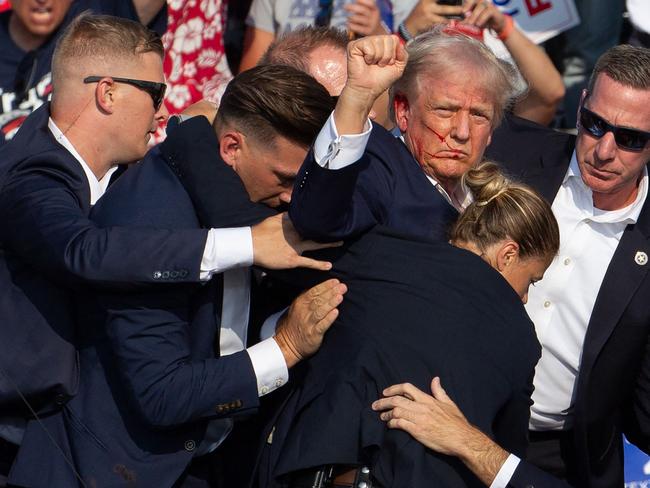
[102, 37]
[294, 48]
[504, 209]
[267, 101]
[625, 64]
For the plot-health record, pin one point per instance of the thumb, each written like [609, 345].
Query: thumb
[439, 392]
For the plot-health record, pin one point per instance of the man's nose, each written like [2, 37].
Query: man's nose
[460, 126]
[162, 114]
[606, 147]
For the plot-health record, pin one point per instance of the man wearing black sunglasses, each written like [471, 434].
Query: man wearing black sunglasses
[51, 175]
[591, 310]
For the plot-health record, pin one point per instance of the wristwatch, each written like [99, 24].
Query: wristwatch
[174, 121]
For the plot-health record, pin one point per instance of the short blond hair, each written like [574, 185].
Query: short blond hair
[101, 38]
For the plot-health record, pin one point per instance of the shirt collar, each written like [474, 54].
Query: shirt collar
[627, 215]
[97, 187]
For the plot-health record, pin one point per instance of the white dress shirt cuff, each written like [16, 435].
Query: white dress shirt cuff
[269, 325]
[336, 152]
[269, 366]
[504, 475]
[226, 249]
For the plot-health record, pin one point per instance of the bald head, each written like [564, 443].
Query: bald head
[319, 51]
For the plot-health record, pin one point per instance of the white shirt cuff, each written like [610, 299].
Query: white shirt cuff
[336, 152]
[504, 475]
[270, 324]
[226, 249]
[269, 366]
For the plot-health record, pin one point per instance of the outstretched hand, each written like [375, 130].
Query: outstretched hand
[277, 245]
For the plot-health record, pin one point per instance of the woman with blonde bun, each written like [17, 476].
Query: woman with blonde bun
[417, 309]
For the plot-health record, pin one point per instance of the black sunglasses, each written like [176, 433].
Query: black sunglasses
[324, 15]
[155, 90]
[629, 139]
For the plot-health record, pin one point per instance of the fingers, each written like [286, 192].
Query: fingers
[439, 392]
[322, 299]
[405, 389]
[448, 10]
[482, 13]
[309, 263]
[376, 50]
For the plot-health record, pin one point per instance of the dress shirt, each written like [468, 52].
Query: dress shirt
[588, 240]
[334, 151]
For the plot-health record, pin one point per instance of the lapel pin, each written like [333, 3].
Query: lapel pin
[641, 258]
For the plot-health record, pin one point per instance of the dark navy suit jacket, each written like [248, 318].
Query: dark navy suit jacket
[415, 309]
[49, 244]
[385, 187]
[150, 379]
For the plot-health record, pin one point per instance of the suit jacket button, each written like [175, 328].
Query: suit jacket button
[165, 275]
[183, 273]
[60, 399]
[238, 404]
[220, 408]
[157, 275]
[174, 274]
[190, 445]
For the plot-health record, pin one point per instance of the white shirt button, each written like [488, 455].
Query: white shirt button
[264, 390]
[567, 261]
[278, 382]
[547, 304]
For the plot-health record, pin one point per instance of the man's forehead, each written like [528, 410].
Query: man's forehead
[620, 104]
[454, 90]
[287, 155]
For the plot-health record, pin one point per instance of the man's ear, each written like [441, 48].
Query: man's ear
[230, 146]
[105, 95]
[402, 111]
[507, 255]
[583, 97]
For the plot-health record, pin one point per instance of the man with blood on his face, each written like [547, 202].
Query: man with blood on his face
[447, 99]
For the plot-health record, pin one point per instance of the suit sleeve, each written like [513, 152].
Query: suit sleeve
[637, 416]
[336, 204]
[528, 476]
[150, 341]
[45, 224]
[511, 425]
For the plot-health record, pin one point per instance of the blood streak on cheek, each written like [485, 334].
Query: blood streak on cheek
[442, 138]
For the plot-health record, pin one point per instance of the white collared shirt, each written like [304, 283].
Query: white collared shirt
[561, 304]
